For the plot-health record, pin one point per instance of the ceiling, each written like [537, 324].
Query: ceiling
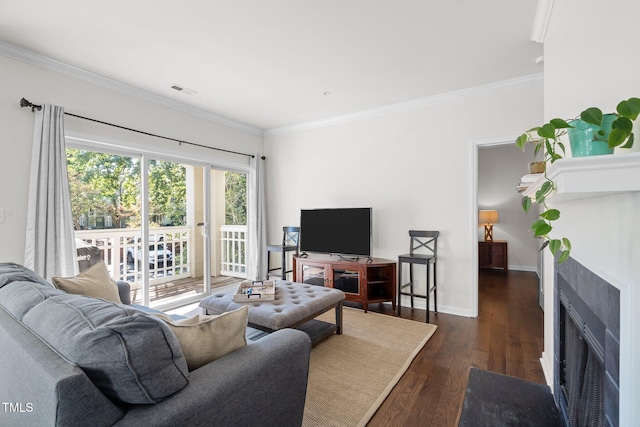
[275, 63]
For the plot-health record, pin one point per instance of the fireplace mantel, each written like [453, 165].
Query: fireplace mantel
[588, 177]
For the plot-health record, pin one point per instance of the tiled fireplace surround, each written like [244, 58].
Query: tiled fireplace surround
[603, 190]
[597, 306]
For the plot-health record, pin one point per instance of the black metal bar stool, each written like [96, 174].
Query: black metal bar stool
[426, 241]
[290, 243]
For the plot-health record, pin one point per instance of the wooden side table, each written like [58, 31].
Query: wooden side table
[493, 254]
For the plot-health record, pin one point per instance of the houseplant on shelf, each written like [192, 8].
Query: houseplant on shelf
[612, 130]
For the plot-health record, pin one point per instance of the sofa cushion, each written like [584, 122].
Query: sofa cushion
[130, 356]
[11, 272]
[20, 297]
[204, 339]
[95, 282]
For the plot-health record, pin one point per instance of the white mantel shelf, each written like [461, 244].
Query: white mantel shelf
[587, 177]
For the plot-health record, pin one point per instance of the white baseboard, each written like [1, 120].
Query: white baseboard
[421, 304]
[548, 371]
[523, 268]
[456, 311]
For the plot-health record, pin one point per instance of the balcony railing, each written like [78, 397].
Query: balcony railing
[171, 255]
[121, 250]
[233, 245]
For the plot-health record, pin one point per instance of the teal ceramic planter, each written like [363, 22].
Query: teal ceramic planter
[582, 137]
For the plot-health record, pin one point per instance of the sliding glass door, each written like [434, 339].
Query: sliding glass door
[164, 225]
[105, 202]
[167, 252]
[140, 216]
[233, 225]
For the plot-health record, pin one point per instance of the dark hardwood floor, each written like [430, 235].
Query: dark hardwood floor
[506, 337]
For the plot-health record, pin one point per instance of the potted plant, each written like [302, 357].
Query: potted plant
[612, 130]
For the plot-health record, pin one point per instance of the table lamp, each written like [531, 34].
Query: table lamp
[488, 218]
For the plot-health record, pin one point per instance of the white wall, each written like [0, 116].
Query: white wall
[499, 171]
[18, 80]
[412, 167]
[591, 60]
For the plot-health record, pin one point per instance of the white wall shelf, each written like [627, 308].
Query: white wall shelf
[588, 177]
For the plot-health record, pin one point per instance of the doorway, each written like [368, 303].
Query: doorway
[497, 167]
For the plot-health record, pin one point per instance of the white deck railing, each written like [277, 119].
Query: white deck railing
[121, 250]
[233, 245]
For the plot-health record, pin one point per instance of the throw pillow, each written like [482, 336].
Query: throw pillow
[204, 339]
[93, 282]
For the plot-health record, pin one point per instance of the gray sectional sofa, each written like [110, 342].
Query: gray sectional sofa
[71, 360]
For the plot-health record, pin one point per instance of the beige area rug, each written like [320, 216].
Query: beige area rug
[351, 374]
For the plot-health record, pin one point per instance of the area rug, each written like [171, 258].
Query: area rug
[351, 374]
[499, 400]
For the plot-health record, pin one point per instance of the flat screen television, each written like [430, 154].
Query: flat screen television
[340, 231]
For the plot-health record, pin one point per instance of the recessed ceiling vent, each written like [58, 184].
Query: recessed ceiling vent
[183, 89]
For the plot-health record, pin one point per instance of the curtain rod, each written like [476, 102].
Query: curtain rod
[25, 103]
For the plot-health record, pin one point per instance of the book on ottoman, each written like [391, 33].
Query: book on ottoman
[254, 290]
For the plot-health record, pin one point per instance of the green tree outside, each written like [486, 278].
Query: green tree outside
[235, 198]
[108, 184]
[167, 193]
[103, 184]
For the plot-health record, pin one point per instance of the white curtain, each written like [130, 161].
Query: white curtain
[50, 248]
[257, 223]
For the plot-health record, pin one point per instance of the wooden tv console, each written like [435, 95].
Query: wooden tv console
[360, 280]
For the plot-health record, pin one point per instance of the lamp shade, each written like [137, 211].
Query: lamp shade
[488, 217]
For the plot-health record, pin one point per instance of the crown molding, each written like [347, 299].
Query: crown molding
[541, 20]
[30, 57]
[531, 80]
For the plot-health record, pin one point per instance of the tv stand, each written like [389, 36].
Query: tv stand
[363, 280]
[352, 258]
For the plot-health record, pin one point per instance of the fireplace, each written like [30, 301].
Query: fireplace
[587, 347]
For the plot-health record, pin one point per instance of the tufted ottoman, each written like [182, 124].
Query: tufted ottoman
[295, 306]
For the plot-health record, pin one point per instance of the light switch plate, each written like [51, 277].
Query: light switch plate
[2, 215]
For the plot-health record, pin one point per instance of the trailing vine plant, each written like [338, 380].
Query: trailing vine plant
[548, 139]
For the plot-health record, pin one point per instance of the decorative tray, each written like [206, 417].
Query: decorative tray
[255, 290]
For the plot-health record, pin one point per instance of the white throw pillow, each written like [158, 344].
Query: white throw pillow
[205, 338]
[93, 282]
